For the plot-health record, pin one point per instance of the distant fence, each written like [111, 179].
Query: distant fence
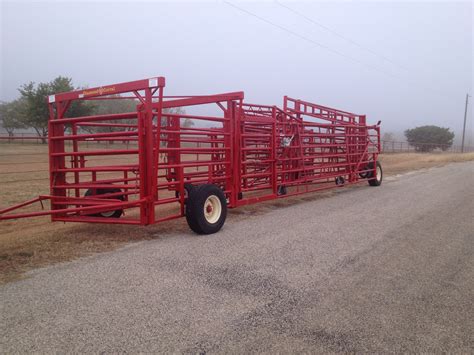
[387, 146]
[404, 147]
[21, 138]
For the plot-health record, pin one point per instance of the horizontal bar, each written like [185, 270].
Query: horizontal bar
[94, 186]
[109, 117]
[193, 164]
[97, 152]
[196, 117]
[26, 203]
[90, 219]
[203, 132]
[246, 176]
[199, 100]
[193, 149]
[113, 89]
[96, 135]
[102, 124]
[70, 210]
[98, 169]
[251, 200]
[166, 200]
[168, 218]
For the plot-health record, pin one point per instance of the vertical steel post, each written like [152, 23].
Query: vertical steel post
[157, 140]
[142, 164]
[57, 146]
[75, 159]
[273, 146]
[233, 156]
[150, 154]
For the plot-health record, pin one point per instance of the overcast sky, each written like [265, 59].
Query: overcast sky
[405, 63]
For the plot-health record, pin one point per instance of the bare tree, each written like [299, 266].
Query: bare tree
[12, 115]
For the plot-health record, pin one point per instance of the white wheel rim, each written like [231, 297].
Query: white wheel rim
[379, 173]
[107, 214]
[212, 209]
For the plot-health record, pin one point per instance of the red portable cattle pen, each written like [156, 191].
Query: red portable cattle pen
[164, 157]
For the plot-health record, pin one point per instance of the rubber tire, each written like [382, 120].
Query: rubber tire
[281, 191]
[195, 209]
[366, 175]
[117, 213]
[373, 181]
[340, 181]
[188, 187]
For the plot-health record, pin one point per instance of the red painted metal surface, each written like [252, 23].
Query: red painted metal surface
[253, 152]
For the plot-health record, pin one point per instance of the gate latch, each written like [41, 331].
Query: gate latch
[286, 141]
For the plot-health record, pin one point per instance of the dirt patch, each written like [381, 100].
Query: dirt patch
[31, 243]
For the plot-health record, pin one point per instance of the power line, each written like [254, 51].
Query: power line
[327, 48]
[304, 38]
[341, 36]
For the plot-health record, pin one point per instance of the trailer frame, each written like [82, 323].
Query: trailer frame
[252, 152]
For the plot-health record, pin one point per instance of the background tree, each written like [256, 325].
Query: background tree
[428, 138]
[31, 109]
[177, 111]
[12, 115]
[36, 112]
[188, 123]
[112, 106]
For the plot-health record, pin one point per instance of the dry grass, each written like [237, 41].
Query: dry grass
[31, 243]
[399, 163]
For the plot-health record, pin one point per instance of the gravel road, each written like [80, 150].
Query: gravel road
[385, 269]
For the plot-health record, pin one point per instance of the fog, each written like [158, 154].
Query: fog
[406, 64]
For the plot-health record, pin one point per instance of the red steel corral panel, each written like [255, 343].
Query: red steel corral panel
[135, 165]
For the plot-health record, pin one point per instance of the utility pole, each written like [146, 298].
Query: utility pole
[464, 126]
